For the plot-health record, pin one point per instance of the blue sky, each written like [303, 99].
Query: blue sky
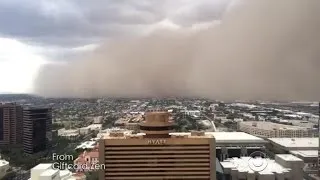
[35, 33]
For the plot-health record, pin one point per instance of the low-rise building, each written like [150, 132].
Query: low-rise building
[87, 145]
[4, 167]
[95, 127]
[65, 132]
[285, 145]
[87, 159]
[97, 120]
[273, 130]
[46, 171]
[196, 113]
[303, 148]
[84, 130]
[285, 166]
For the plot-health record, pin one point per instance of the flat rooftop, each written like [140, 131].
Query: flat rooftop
[302, 123]
[305, 153]
[288, 157]
[296, 143]
[220, 137]
[242, 165]
[50, 172]
[271, 126]
[235, 137]
[87, 144]
[43, 166]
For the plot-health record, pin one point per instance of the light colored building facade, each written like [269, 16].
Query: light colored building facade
[157, 154]
[192, 112]
[284, 167]
[273, 130]
[45, 171]
[97, 120]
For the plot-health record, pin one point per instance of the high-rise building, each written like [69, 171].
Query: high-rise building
[155, 154]
[10, 124]
[37, 124]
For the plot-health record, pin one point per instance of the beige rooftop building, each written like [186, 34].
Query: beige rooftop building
[156, 154]
[283, 167]
[273, 130]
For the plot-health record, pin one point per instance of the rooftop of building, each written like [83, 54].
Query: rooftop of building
[271, 126]
[8, 104]
[268, 166]
[288, 157]
[228, 137]
[94, 126]
[36, 108]
[87, 145]
[302, 123]
[49, 172]
[296, 143]
[3, 162]
[220, 137]
[42, 166]
[121, 135]
[305, 153]
[242, 165]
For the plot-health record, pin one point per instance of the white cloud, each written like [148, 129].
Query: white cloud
[59, 9]
[165, 24]
[19, 64]
[85, 48]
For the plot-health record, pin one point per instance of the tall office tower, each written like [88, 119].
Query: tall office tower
[10, 124]
[155, 154]
[37, 124]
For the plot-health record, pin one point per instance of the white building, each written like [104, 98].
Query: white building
[69, 133]
[195, 113]
[95, 127]
[97, 120]
[272, 130]
[285, 166]
[84, 130]
[87, 145]
[46, 172]
[4, 166]
[303, 148]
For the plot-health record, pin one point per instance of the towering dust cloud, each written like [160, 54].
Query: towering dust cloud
[262, 49]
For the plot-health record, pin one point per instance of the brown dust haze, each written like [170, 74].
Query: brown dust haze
[261, 50]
